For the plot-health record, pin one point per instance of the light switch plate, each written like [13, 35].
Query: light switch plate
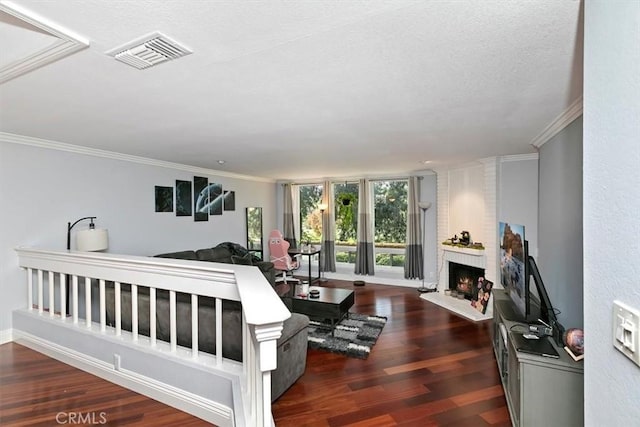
[626, 330]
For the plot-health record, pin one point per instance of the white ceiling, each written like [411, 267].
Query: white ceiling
[302, 89]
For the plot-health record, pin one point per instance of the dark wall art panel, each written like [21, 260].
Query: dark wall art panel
[164, 199]
[184, 198]
[229, 200]
[214, 202]
[201, 196]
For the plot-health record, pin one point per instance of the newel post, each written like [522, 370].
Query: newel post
[266, 339]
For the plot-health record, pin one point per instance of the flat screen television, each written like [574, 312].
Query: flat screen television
[538, 302]
[530, 301]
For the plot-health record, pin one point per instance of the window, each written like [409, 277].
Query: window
[310, 216]
[390, 221]
[346, 212]
[389, 215]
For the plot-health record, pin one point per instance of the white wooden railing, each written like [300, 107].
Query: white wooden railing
[48, 273]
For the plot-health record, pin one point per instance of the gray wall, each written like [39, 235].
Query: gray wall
[560, 223]
[611, 205]
[44, 189]
[518, 196]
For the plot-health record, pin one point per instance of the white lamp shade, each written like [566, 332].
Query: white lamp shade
[92, 240]
[424, 205]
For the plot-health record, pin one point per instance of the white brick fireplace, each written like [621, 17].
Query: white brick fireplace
[467, 200]
[471, 257]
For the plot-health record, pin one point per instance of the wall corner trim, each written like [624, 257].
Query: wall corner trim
[562, 121]
[61, 146]
[6, 336]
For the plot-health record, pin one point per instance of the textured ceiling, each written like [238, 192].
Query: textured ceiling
[294, 90]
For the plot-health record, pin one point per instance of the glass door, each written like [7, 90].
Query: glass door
[254, 231]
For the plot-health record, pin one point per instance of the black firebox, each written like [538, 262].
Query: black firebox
[462, 278]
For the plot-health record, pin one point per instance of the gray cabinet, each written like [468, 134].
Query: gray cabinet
[540, 391]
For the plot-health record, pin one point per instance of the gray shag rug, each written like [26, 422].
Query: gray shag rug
[353, 337]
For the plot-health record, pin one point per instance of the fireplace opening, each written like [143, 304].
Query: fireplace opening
[462, 278]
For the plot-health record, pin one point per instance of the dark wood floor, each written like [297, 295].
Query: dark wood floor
[429, 367]
[36, 390]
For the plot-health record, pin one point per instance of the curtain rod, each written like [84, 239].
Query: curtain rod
[352, 180]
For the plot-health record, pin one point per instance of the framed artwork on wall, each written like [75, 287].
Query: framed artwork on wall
[164, 199]
[201, 196]
[229, 200]
[184, 198]
[215, 199]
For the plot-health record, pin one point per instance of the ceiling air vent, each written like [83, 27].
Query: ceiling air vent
[149, 50]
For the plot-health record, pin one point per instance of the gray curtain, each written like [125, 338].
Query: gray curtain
[288, 232]
[364, 249]
[328, 229]
[413, 255]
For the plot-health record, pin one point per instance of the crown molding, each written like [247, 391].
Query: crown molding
[562, 121]
[67, 43]
[61, 146]
[519, 157]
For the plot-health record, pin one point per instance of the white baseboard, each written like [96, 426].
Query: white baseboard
[6, 336]
[377, 280]
[188, 402]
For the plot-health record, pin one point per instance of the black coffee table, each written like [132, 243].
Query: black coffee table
[332, 304]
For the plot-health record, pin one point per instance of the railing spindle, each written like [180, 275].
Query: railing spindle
[63, 296]
[103, 307]
[118, 308]
[87, 301]
[52, 304]
[152, 315]
[172, 320]
[74, 298]
[219, 331]
[134, 311]
[30, 289]
[194, 326]
[249, 366]
[40, 292]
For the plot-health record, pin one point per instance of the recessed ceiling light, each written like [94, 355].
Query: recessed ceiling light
[425, 162]
[221, 162]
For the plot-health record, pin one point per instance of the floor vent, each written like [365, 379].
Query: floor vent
[149, 50]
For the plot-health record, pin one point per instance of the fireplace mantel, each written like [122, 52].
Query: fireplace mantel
[465, 256]
[468, 251]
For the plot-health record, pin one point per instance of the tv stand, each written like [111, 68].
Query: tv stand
[505, 306]
[539, 390]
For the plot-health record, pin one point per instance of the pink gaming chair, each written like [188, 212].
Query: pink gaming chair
[279, 256]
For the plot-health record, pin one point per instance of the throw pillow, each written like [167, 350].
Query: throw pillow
[242, 260]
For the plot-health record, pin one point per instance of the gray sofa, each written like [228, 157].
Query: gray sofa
[291, 347]
[232, 253]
